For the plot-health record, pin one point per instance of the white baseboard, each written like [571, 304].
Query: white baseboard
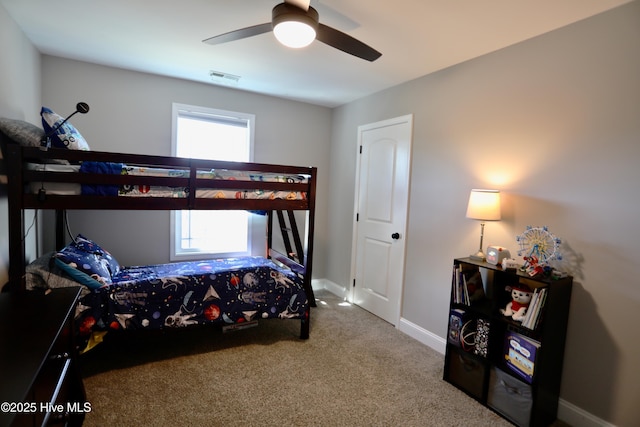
[578, 417]
[567, 412]
[324, 284]
[420, 334]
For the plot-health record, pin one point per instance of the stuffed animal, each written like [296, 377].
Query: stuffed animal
[517, 307]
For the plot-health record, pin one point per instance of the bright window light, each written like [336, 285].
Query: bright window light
[213, 135]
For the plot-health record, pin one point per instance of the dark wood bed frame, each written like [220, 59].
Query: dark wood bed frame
[18, 177]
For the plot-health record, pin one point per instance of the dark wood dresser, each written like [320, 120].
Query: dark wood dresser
[40, 380]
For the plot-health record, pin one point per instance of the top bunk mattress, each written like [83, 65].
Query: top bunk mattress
[143, 190]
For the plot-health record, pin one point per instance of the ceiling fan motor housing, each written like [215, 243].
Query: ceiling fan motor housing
[285, 12]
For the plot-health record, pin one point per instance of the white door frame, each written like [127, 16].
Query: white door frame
[389, 122]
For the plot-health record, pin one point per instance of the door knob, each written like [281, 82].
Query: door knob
[395, 236]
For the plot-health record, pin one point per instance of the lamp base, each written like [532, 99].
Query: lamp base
[478, 256]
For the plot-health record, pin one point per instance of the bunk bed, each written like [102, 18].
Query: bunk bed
[244, 289]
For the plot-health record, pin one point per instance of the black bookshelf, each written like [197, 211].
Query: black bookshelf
[513, 369]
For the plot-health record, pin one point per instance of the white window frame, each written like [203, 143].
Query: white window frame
[184, 109]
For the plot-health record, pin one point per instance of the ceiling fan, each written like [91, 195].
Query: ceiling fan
[296, 24]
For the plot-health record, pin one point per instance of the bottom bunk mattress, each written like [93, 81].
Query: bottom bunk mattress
[174, 295]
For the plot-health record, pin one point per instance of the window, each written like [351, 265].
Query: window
[211, 134]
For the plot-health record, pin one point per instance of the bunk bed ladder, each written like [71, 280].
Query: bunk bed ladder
[298, 254]
[291, 232]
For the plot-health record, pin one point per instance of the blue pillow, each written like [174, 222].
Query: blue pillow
[66, 136]
[90, 246]
[89, 258]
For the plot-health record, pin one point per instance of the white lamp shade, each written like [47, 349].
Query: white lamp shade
[294, 34]
[484, 205]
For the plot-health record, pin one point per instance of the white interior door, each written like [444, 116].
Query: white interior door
[382, 196]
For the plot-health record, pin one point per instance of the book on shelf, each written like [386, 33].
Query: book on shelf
[456, 320]
[454, 284]
[466, 284]
[534, 312]
[481, 346]
[520, 353]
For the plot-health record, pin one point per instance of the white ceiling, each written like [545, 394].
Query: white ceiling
[416, 37]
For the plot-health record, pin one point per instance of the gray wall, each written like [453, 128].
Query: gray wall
[554, 122]
[131, 112]
[19, 99]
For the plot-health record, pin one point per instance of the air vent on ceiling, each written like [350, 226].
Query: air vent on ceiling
[223, 78]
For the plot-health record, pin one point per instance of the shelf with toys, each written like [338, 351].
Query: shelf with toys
[505, 341]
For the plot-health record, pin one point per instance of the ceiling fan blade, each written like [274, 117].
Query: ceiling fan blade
[346, 43]
[302, 4]
[240, 34]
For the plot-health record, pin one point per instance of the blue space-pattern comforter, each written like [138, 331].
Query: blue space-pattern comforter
[225, 292]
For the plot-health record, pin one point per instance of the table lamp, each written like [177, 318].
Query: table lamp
[484, 205]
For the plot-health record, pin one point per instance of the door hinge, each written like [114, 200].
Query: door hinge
[361, 149]
[354, 283]
[357, 217]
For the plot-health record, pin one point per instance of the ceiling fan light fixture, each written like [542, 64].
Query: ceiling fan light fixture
[294, 34]
[294, 27]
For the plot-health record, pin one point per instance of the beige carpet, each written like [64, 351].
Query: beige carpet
[355, 370]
